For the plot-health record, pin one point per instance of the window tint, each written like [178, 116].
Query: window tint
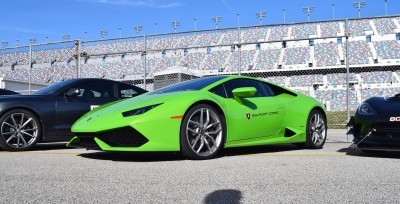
[97, 89]
[194, 84]
[219, 90]
[126, 91]
[263, 90]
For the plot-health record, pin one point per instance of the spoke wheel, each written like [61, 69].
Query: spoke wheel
[316, 130]
[202, 132]
[19, 130]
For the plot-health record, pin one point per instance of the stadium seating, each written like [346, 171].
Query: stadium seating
[359, 52]
[384, 25]
[215, 60]
[247, 57]
[268, 59]
[303, 31]
[376, 77]
[388, 49]
[359, 27]
[305, 80]
[329, 29]
[230, 37]
[374, 57]
[326, 54]
[278, 33]
[297, 55]
[252, 35]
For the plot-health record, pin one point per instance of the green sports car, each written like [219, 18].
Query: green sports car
[201, 116]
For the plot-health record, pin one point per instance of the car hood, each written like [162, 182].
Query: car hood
[385, 106]
[109, 113]
[19, 97]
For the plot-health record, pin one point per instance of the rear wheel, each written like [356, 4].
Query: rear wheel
[316, 130]
[202, 132]
[20, 130]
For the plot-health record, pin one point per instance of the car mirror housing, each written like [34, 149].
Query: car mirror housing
[244, 92]
[72, 92]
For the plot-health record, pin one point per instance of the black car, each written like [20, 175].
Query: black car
[7, 92]
[47, 115]
[376, 124]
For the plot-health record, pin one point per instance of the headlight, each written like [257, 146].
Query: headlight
[365, 109]
[139, 110]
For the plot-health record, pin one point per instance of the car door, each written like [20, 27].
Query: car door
[260, 116]
[91, 95]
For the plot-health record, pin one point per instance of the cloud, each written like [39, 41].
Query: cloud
[227, 5]
[137, 3]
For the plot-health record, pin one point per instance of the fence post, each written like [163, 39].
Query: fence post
[347, 75]
[78, 58]
[145, 60]
[30, 68]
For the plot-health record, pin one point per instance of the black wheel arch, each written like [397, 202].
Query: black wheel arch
[210, 103]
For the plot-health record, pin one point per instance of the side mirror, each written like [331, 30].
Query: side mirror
[244, 92]
[72, 92]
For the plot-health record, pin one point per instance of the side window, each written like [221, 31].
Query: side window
[97, 89]
[219, 90]
[263, 90]
[126, 91]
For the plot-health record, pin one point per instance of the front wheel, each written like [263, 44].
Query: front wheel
[202, 132]
[20, 130]
[316, 130]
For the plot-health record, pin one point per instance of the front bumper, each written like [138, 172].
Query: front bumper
[125, 137]
[375, 134]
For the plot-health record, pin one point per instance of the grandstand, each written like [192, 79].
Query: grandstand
[308, 57]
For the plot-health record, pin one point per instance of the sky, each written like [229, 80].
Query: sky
[49, 20]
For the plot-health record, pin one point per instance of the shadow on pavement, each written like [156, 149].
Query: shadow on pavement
[175, 156]
[237, 151]
[133, 157]
[373, 154]
[48, 146]
[223, 196]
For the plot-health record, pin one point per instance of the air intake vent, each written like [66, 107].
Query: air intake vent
[289, 133]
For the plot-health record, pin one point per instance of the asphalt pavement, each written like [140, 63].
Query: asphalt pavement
[267, 174]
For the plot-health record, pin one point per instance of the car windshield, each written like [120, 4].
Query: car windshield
[53, 88]
[195, 84]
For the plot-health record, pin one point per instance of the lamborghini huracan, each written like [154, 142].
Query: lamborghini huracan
[201, 116]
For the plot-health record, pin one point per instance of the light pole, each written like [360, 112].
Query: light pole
[308, 10]
[175, 24]
[138, 28]
[156, 24]
[216, 20]
[120, 32]
[195, 23]
[333, 10]
[359, 5]
[4, 44]
[284, 15]
[86, 35]
[386, 7]
[260, 15]
[65, 37]
[103, 33]
[238, 19]
[32, 40]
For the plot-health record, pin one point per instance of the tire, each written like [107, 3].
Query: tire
[20, 130]
[202, 138]
[316, 130]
